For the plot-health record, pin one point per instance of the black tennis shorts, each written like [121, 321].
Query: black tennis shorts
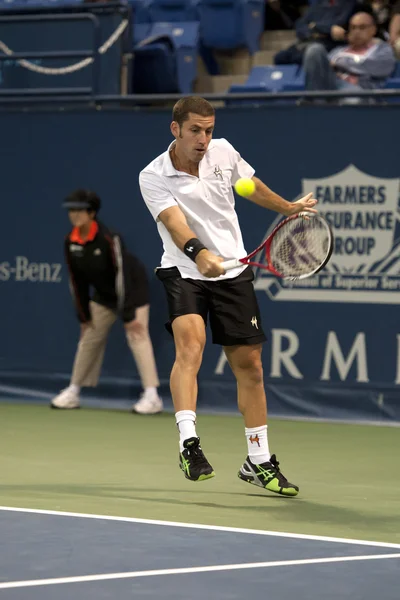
[231, 305]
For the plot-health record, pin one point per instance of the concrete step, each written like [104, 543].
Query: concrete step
[236, 62]
[271, 41]
[264, 57]
[217, 84]
[284, 35]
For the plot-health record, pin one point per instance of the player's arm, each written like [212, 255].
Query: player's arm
[185, 239]
[265, 197]
[262, 195]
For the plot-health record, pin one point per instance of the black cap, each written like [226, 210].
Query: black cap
[82, 200]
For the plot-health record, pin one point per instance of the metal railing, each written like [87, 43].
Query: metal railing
[92, 55]
[59, 96]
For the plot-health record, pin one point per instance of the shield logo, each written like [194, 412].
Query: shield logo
[363, 211]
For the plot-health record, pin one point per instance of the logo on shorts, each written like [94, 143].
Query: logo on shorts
[97, 252]
[218, 172]
[254, 322]
[254, 439]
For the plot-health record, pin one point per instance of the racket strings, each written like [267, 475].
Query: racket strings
[299, 247]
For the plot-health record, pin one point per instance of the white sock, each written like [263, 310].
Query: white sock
[150, 391]
[75, 389]
[257, 444]
[186, 422]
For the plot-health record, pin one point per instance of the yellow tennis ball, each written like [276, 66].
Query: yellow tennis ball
[245, 187]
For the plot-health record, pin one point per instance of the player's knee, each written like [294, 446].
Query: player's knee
[255, 372]
[190, 352]
[250, 368]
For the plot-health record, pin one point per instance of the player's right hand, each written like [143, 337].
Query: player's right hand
[209, 264]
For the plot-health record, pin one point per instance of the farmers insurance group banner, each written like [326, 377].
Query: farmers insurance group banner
[363, 213]
[343, 347]
[333, 340]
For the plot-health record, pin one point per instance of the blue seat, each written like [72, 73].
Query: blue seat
[394, 80]
[393, 83]
[154, 68]
[12, 4]
[230, 24]
[141, 31]
[172, 11]
[166, 61]
[140, 10]
[141, 21]
[396, 72]
[282, 78]
[272, 79]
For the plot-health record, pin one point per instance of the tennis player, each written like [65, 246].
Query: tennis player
[97, 258]
[188, 190]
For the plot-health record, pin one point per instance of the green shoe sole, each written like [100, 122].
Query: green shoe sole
[201, 478]
[204, 477]
[271, 487]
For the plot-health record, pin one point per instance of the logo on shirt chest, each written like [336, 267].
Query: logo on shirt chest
[218, 172]
[76, 249]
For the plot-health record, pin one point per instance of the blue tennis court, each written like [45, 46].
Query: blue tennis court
[48, 555]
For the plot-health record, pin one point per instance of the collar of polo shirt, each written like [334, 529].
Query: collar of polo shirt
[168, 168]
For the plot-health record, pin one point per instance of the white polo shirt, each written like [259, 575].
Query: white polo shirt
[207, 202]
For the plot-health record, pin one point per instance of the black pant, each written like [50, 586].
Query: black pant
[231, 304]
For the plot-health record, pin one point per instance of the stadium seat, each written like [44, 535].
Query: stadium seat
[394, 80]
[50, 3]
[12, 4]
[140, 10]
[140, 32]
[154, 68]
[166, 61]
[282, 78]
[172, 11]
[271, 79]
[141, 21]
[230, 24]
[393, 83]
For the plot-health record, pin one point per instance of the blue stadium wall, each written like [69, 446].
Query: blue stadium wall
[334, 341]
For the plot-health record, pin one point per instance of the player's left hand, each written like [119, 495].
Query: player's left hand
[305, 203]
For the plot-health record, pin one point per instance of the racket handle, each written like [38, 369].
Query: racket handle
[231, 264]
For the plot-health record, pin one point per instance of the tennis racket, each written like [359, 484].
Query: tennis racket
[297, 248]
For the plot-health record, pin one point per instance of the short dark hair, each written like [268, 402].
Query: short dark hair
[83, 200]
[365, 10]
[191, 104]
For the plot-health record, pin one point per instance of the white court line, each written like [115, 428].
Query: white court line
[212, 568]
[297, 536]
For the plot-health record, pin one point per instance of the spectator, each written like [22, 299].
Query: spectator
[381, 9]
[394, 30]
[323, 22]
[364, 63]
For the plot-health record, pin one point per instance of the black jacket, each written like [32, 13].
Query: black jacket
[102, 262]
